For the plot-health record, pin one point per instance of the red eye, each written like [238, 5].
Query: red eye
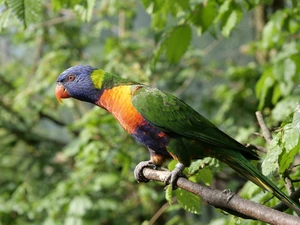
[71, 77]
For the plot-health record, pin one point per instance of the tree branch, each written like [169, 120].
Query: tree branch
[227, 200]
[265, 130]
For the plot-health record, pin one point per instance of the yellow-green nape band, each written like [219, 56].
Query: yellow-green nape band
[97, 78]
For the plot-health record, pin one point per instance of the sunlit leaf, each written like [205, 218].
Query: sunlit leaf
[285, 107]
[5, 17]
[231, 22]
[290, 137]
[270, 163]
[195, 166]
[85, 11]
[169, 194]
[269, 34]
[188, 201]
[289, 70]
[291, 144]
[72, 220]
[28, 11]
[296, 118]
[79, 205]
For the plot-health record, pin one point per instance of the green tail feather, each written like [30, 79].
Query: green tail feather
[246, 169]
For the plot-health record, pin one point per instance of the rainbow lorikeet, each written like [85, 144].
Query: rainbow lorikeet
[166, 125]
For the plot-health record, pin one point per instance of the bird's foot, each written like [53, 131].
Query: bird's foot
[138, 171]
[174, 175]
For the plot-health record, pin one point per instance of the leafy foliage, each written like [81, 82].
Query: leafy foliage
[28, 11]
[72, 164]
[188, 201]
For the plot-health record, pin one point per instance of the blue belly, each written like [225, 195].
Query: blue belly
[153, 138]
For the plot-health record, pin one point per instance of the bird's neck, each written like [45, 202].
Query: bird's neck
[117, 101]
[105, 83]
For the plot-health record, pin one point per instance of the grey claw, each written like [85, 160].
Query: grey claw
[174, 175]
[138, 171]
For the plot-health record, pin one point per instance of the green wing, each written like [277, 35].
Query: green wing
[171, 114]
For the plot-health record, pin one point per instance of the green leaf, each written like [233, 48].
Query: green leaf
[293, 25]
[269, 35]
[204, 15]
[159, 51]
[288, 50]
[204, 175]
[49, 221]
[71, 220]
[56, 4]
[276, 94]
[202, 163]
[284, 108]
[28, 11]
[284, 72]
[79, 205]
[289, 69]
[146, 4]
[223, 10]
[195, 166]
[296, 118]
[270, 163]
[263, 86]
[188, 201]
[184, 4]
[178, 42]
[169, 194]
[287, 157]
[4, 18]
[159, 20]
[172, 165]
[85, 10]
[233, 19]
[290, 137]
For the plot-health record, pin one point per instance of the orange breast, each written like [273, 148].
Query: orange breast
[117, 101]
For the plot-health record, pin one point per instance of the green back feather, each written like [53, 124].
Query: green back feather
[173, 115]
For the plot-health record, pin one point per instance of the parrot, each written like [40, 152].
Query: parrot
[166, 125]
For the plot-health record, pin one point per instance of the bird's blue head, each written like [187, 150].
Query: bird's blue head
[77, 82]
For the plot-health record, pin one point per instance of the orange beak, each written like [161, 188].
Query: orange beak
[61, 92]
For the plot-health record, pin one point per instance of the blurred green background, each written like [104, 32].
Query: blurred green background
[72, 164]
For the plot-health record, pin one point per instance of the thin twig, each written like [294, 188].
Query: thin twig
[293, 166]
[159, 212]
[265, 130]
[288, 183]
[56, 20]
[121, 27]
